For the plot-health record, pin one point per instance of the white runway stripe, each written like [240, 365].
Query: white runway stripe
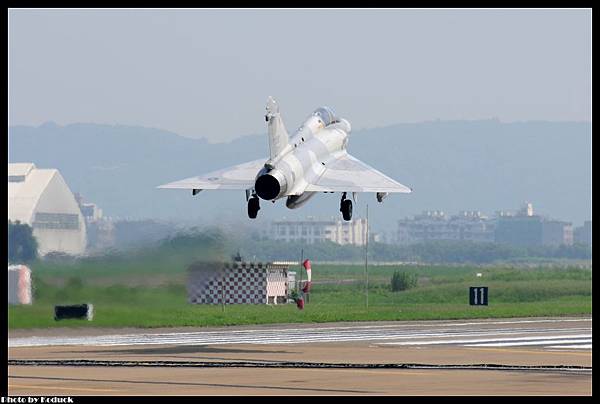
[487, 341]
[545, 341]
[410, 333]
[272, 337]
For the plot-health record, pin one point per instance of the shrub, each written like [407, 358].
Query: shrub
[402, 281]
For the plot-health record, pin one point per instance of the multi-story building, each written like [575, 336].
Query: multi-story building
[555, 232]
[90, 211]
[430, 225]
[532, 231]
[100, 229]
[435, 225]
[520, 228]
[583, 234]
[526, 229]
[314, 230]
[473, 226]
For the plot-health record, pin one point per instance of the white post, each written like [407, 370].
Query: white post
[366, 257]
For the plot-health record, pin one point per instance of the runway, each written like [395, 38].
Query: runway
[501, 356]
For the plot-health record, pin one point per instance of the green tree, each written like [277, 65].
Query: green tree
[22, 245]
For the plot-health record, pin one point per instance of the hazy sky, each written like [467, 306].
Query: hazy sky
[207, 73]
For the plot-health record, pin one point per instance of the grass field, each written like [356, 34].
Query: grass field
[152, 294]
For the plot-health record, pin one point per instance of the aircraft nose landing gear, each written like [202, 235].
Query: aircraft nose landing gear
[346, 207]
[253, 207]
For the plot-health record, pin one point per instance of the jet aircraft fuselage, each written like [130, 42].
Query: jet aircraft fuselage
[314, 159]
[318, 142]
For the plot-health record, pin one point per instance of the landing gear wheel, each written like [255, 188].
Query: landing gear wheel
[253, 207]
[346, 209]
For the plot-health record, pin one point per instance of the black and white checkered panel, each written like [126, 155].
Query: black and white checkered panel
[237, 283]
[199, 279]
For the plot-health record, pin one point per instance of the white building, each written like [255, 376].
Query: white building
[90, 211]
[314, 230]
[435, 225]
[42, 199]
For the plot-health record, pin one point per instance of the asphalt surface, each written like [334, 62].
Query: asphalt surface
[533, 356]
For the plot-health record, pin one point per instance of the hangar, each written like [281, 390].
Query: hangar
[42, 199]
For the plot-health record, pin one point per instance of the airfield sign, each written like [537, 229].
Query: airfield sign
[478, 295]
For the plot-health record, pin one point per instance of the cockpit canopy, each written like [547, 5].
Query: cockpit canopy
[327, 115]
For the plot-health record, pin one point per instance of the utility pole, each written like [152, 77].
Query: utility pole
[366, 257]
[299, 285]
[223, 290]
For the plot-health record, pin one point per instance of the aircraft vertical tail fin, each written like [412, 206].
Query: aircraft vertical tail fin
[278, 135]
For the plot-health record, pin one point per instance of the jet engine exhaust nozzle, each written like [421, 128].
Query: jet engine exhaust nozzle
[270, 186]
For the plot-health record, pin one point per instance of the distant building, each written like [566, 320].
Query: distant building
[522, 228]
[100, 229]
[314, 230]
[526, 210]
[42, 199]
[435, 225]
[555, 232]
[527, 229]
[473, 226]
[519, 230]
[583, 234]
[430, 225]
[90, 211]
[101, 235]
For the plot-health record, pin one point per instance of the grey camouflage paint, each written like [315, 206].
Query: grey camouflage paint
[313, 160]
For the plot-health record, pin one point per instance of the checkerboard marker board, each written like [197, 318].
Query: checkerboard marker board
[237, 283]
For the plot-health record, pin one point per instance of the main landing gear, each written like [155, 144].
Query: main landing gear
[253, 207]
[346, 207]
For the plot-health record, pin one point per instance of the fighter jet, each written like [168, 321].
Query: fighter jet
[313, 160]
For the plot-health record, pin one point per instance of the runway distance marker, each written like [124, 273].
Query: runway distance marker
[478, 295]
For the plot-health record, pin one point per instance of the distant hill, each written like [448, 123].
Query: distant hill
[451, 165]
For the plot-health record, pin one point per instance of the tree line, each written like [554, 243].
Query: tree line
[439, 251]
[22, 248]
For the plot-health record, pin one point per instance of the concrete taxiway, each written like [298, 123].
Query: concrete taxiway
[554, 356]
